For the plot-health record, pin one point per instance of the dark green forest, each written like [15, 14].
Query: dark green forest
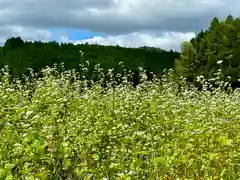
[216, 48]
[20, 56]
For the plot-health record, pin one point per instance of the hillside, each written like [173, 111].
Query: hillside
[20, 55]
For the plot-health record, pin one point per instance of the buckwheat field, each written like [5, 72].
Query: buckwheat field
[57, 127]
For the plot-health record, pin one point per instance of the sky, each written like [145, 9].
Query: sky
[129, 23]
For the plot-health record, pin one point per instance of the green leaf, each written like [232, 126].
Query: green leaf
[9, 177]
[112, 165]
[189, 145]
[10, 166]
[142, 153]
[31, 178]
[211, 156]
[2, 173]
[225, 141]
[161, 160]
[36, 144]
[96, 157]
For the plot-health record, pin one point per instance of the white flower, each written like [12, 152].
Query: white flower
[220, 62]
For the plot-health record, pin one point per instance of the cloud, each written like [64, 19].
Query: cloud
[26, 33]
[166, 40]
[124, 22]
[116, 16]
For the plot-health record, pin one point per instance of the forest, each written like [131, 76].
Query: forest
[21, 56]
[64, 114]
[211, 50]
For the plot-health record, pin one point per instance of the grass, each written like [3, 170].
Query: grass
[150, 132]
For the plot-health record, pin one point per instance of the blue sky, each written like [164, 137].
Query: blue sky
[73, 34]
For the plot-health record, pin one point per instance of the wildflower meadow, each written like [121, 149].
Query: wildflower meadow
[59, 127]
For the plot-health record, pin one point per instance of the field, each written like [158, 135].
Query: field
[148, 132]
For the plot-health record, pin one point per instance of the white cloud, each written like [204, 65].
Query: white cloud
[26, 33]
[123, 21]
[166, 41]
[116, 16]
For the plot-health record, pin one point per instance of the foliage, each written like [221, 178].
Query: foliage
[58, 128]
[220, 43]
[19, 56]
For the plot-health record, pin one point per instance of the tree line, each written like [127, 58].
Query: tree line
[21, 55]
[211, 50]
